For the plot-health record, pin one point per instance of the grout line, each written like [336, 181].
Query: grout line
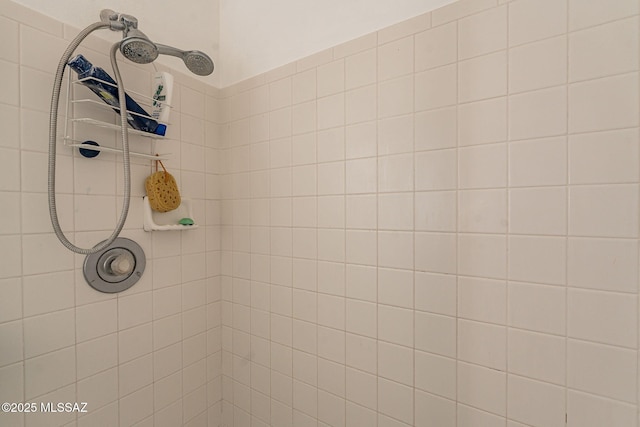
[377, 228]
[22, 293]
[456, 219]
[290, 163]
[637, 303]
[508, 213]
[317, 215]
[344, 213]
[250, 307]
[413, 228]
[508, 231]
[566, 218]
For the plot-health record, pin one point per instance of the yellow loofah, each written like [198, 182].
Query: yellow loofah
[162, 191]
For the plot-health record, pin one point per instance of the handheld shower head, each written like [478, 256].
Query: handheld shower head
[197, 62]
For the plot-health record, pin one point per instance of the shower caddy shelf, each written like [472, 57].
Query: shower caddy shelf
[167, 221]
[153, 221]
[69, 141]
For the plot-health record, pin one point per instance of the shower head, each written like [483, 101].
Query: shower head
[137, 47]
[197, 62]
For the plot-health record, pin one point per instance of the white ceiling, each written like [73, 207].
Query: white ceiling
[245, 37]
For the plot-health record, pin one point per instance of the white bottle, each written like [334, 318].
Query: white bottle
[162, 90]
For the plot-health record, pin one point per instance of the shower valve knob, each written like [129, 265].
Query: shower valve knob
[121, 265]
[116, 268]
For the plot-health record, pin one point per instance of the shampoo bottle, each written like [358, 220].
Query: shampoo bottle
[109, 94]
[162, 91]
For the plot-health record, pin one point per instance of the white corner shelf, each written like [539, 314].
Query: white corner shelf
[168, 221]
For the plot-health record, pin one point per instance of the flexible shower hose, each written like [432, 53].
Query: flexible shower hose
[53, 124]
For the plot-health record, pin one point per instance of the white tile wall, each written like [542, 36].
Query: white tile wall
[435, 224]
[463, 205]
[63, 340]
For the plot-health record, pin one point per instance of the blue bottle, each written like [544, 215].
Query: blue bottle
[109, 94]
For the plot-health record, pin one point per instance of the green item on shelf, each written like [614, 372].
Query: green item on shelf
[186, 221]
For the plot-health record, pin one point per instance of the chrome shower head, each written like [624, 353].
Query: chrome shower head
[197, 62]
[137, 47]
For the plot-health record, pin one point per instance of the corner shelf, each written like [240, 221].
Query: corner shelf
[167, 221]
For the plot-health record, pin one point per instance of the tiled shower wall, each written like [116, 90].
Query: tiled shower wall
[437, 225]
[432, 225]
[149, 356]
